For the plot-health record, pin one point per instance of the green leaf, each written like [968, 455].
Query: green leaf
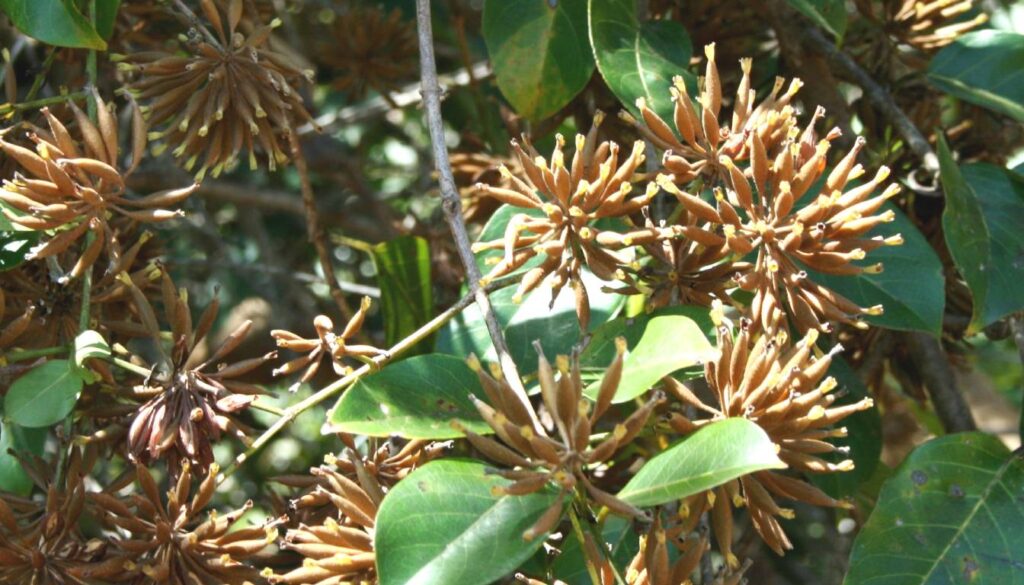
[681, 328]
[407, 299]
[556, 326]
[13, 478]
[443, 524]
[984, 68]
[951, 514]
[539, 52]
[14, 246]
[981, 221]
[56, 22]
[106, 16]
[90, 344]
[44, 395]
[717, 453]
[639, 59]
[914, 266]
[864, 439]
[828, 14]
[416, 398]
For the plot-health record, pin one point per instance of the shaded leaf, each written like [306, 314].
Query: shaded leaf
[106, 16]
[639, 59]
[914, 266]
[43, 396]
[13, 478]
[539, 52]
[14, 246]
[416, 398]
[951, 514]
[717, 453]
[828, 14]
[56, 22]
[984, 68]
[981, 222]
[684, 329]
[443, 524]
[406, 292]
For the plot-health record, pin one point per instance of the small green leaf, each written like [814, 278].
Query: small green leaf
[407, 299]
[864, 439]
[647, 336]
[717, 453]
[639, 59]
[90, 344]
[539, 52]
[44, 395]
[106, 16]
[984, 68]
[981, 222]
[951, 514]
[14, 246]
[13, 478]
[828, 14]
[914, 266]
[443, 524]
[416, 398]
[556, 326]
[56, 22]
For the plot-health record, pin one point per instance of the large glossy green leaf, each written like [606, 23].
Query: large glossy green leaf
[951, 514]
[864, 439]
[43, 396]
[828, 14]
[416, 398]
[914, 266]
[556, 326]
[443, 524]
[539, 52]
[982, 225]
[13, 478]
[683, 329]
[406, 292]
[717, 453]
[638, 59]
[56, 22]
[984, 68]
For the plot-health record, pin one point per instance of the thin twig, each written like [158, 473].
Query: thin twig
[940, 382]
[451, 203]
[876, 94]
[315, 229]
[292, 412]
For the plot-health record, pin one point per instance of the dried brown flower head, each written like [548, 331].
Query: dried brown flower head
[326, 343]
[784, 389]
[535, 458]
[189, 401]
[472, 168]
[77, 189]
[171, 543]
[704, 138]
[566, 199]
[338, 548]
[369, 49]
[225, 93]
[930, 25]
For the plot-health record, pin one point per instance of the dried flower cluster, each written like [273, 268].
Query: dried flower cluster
[927, 26]
[226, 93]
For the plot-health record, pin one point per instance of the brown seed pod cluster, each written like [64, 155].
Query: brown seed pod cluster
[219, 95]
[327, 343]
[190, 399]
[784, 388]
[536, 459]
[926, 26]
[167, 540]
[338, 548]
[76, 187]
[369, 49]
[565, 199]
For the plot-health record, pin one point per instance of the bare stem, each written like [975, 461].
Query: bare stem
[452, 204]
[292, 412]
[940, 382]
[315, 229]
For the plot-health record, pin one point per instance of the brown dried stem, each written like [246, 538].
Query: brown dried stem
[315, 229]
[940, 382]
[451, 203]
